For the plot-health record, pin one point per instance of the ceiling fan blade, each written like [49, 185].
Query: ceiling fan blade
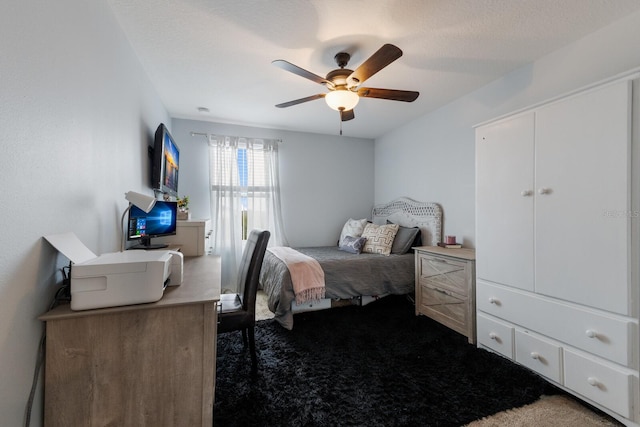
[288, 66]
[392, 94]
[376, 62]
[347, 115]
[301, 100]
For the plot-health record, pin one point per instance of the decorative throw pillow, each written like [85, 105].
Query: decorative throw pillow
[404, 240]
[353, 228]
[379, 238]
[352, 244]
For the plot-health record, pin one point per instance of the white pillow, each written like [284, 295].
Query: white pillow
[353, 228]
[379, 238]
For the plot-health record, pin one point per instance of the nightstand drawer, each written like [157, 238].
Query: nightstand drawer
[446, 307]
[444, 273]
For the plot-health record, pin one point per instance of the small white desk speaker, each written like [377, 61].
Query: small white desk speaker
[175, 278]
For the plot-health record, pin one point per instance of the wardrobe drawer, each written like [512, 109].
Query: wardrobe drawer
[599, 381]
[444, 273]
[608, 336]
[539, 354]
[495, 335]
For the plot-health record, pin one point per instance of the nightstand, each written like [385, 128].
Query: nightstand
[445, 287]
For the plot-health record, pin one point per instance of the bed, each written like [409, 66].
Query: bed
[357, 278]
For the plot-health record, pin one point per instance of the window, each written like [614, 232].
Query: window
[245, 192]
[247, 182]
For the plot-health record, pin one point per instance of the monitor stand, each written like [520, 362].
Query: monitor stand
[145, 243]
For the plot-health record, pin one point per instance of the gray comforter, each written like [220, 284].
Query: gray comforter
[346, 276]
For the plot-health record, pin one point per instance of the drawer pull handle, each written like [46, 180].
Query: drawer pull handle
[591, 333]
[495, 301]
[535, 355]
[593, 381]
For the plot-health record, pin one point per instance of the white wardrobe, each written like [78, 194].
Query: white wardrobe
[557, 254]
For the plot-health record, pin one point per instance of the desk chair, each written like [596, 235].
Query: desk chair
[238, 311]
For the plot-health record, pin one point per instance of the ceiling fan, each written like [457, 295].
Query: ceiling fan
[344, 84]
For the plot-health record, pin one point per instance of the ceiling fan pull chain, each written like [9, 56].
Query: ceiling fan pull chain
[341, 111]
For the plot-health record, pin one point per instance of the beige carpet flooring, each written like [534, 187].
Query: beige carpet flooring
[549, 411]
[262, 311]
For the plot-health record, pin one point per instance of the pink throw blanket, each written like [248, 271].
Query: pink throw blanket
[307, 276]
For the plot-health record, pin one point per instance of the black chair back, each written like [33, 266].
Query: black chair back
[250, 266]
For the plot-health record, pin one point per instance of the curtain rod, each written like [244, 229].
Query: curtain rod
[208, 135]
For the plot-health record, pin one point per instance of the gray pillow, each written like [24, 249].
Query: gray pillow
[404, 240]
[352, 244]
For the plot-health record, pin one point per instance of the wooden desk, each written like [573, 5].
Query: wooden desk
[140, 365]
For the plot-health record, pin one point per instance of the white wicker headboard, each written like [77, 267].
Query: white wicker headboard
[408, 213]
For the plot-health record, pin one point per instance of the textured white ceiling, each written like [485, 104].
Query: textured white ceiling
[217, 53]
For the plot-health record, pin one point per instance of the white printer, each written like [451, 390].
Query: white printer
[113, 279]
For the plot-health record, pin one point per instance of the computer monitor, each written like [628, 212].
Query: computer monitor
[166, 162]
[160, 221]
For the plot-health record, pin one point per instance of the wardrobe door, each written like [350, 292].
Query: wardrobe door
[504, 201]
[582, 178]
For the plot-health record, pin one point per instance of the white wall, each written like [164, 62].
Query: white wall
[324, 179]
[76, 116]
[436, 152]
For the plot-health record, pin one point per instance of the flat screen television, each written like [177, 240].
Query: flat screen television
[160, 221]
[166, 162]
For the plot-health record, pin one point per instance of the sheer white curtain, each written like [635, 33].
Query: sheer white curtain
[245, 195]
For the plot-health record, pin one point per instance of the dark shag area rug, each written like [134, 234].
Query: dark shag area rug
[377, 365]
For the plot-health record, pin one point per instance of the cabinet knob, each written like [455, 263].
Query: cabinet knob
[544, 190]
[535, 355]
[494, 300]
[593, 381]
[493, 335]
[591, 333]
[526, 193]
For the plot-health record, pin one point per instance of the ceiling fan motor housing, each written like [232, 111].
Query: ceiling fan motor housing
[339, 77]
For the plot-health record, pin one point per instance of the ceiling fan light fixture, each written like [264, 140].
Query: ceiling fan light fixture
[342, 99]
